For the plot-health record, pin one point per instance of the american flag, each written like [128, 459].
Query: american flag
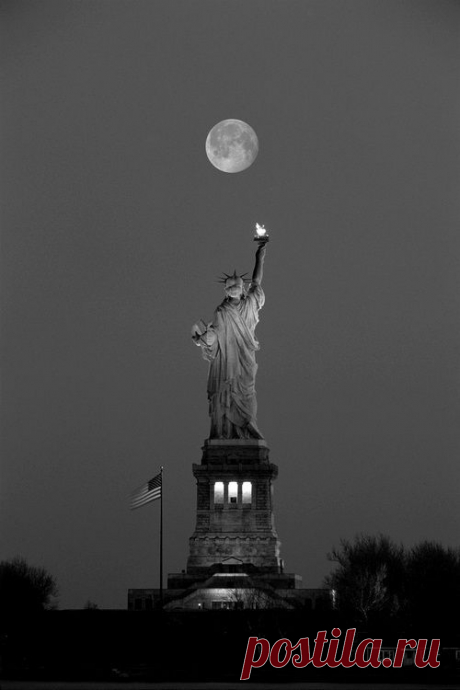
[150, 491]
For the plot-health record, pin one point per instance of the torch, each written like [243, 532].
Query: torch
[261, 234]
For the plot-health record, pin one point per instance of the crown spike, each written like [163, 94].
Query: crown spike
[234, 278]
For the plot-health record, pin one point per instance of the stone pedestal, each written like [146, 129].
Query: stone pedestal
[234, 520]
[234, 554]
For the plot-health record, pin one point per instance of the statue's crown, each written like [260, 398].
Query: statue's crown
[234, 279]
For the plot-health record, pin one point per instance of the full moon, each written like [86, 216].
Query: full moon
[232, 146]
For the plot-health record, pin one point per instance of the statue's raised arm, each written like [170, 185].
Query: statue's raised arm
[229, 344]
[258, 272]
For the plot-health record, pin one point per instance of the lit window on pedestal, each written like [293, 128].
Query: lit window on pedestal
[247, 492]
[232, 492]
[218, 492]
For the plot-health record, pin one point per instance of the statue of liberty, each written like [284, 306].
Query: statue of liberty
[229, 345]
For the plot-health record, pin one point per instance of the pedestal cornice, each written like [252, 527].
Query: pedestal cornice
[235, 452]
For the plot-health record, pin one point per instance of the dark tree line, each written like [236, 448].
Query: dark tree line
[25, 589]
[376, 580]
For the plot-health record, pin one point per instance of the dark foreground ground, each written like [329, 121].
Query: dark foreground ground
[105, 650]
[35, 685]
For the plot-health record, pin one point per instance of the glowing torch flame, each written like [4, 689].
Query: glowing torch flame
[261, 234]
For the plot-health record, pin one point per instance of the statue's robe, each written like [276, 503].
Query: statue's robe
[230, 346]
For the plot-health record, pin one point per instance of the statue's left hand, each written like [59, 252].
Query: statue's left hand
[198, 331]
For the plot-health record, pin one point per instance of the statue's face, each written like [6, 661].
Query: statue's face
[234, 292]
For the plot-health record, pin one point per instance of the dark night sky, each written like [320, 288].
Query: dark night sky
[115, 228]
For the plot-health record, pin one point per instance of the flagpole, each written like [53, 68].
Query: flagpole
[161, 540]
